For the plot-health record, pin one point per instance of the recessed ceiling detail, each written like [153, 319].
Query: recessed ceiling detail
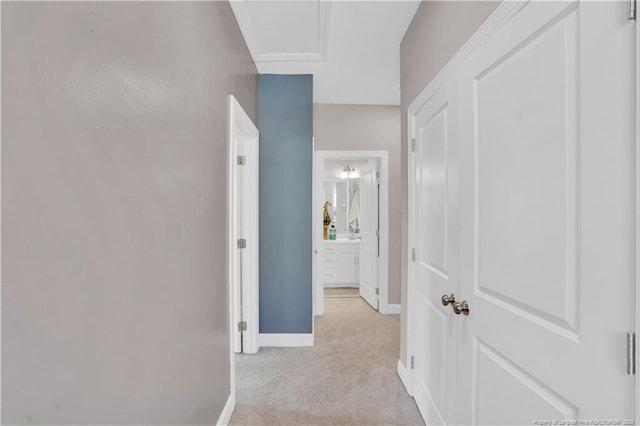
[284, 30]
[352, 48]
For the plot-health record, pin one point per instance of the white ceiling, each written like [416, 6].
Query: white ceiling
[352, 48]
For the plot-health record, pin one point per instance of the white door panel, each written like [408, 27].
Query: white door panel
[435, 267]
[522, 188]
[243, 224]
[547, 235]
[368, 220]
[526, 173]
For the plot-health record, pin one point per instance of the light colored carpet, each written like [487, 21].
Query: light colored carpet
[341, 292]
[348, 378]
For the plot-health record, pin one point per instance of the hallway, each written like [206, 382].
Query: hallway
[163, 189]
[348, 377]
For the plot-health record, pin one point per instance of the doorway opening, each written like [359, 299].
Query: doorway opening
[243, 231]
[350, 227]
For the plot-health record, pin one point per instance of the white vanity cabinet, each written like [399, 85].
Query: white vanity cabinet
[340, 263]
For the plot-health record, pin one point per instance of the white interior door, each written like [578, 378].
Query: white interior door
[243, 226]
[368, 220]
[547, 237]
[435, 268]
[237, 219]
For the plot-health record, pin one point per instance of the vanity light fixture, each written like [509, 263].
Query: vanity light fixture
[348, 172]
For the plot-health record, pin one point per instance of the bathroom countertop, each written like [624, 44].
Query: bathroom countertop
[341, 241]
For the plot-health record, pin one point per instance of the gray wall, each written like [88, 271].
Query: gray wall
[438, 30]
[286, 156]
[370, 128]
[114, 285]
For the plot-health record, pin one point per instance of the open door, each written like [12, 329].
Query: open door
[369, 234]
[243, 230]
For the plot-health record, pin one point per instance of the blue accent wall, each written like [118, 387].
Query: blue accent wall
[286, 156]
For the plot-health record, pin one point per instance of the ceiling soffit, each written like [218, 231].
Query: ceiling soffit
[284, 30]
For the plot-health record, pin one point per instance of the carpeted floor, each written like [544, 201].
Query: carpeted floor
[341, 292]
[348, 377]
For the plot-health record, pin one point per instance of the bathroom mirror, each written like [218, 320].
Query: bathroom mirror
[344, 198]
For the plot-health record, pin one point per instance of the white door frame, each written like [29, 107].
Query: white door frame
[318, 178]
[404, 366]
[243, 138]
[637, 105]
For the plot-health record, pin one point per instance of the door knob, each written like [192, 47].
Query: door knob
[448, 299]
[461, 308]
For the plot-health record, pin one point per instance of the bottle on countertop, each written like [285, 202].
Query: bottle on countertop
[332, 231]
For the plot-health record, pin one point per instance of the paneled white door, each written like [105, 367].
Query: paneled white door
[368, 221]
[547, 225]
[435, 269]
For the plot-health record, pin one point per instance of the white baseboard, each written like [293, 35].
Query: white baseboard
[227, 411]
[390, 309]
[290, 340]
[404, 377]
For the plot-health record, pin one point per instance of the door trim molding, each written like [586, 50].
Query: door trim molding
[637, 106]
[503, 13]
[405, 377]
[1, 210]
[383, 156]
[238, 115]
[250, 292]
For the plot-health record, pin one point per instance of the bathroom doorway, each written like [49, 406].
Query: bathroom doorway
[350, 227]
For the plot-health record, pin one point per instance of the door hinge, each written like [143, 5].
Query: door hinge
[242, 243]
[631, 354]
[413, 255]
[377, 233]
[631, 10]
[413, 144]
[377, 291]
[241, 160]
[242, 326]
[412, 362]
